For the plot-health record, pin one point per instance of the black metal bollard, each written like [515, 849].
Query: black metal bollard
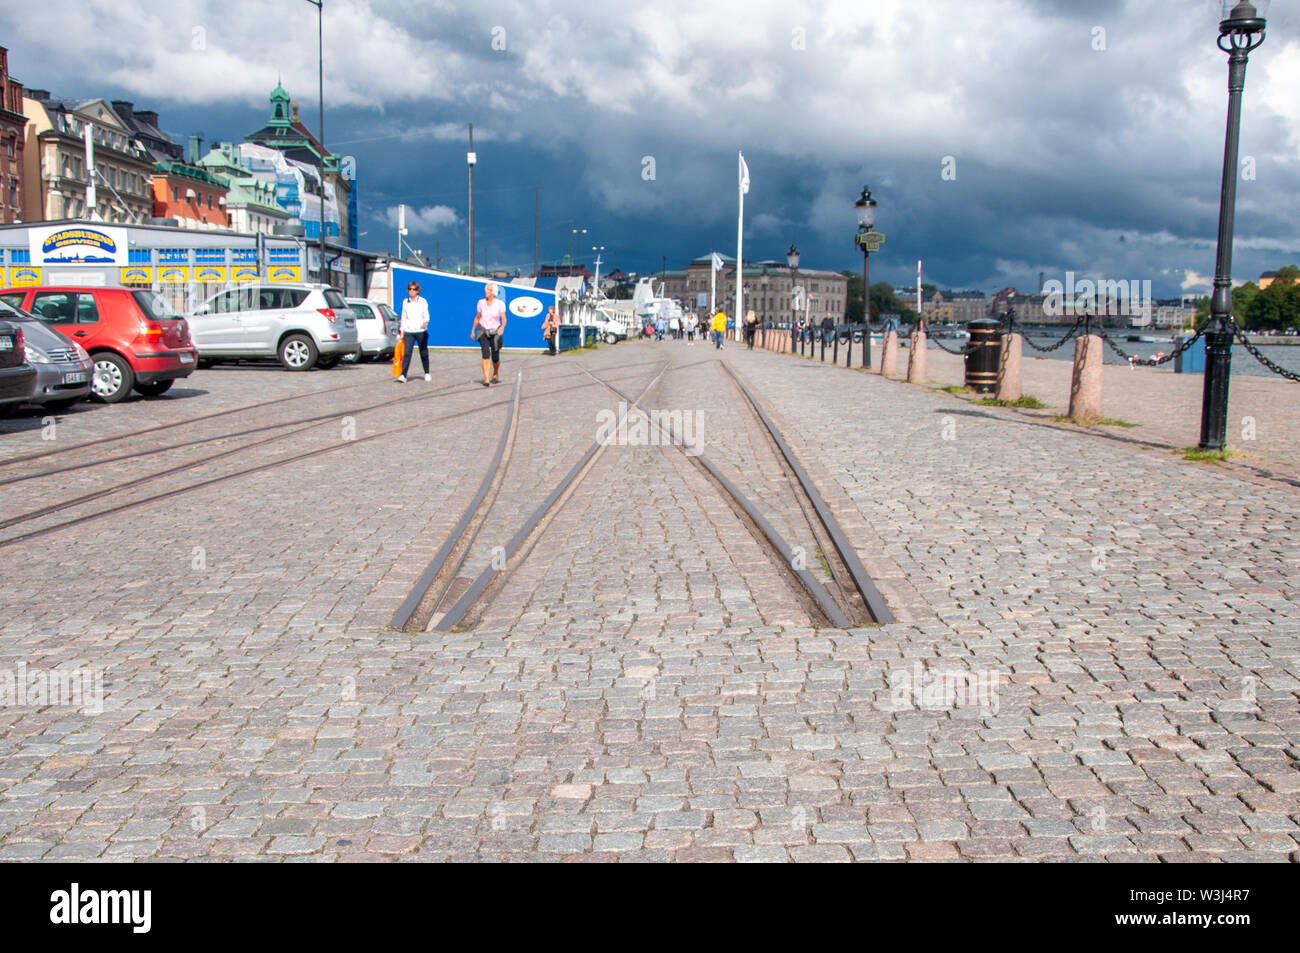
[835, 349]
[848, 360]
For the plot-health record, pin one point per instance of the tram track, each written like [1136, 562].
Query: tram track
[333, 446]
[444, 600]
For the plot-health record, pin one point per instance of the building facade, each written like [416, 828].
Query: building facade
[12, 137]
[250, 202]
[56, 175]
[768, 288]
[297, 170]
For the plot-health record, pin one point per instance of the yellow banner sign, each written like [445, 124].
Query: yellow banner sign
[24, 276]
[243, 273]
[211, 273]
[173, 274]
[137, 275]
[283, 273]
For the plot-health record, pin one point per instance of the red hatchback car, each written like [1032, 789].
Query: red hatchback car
[134, 336]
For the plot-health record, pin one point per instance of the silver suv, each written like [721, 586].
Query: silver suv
[302, 325]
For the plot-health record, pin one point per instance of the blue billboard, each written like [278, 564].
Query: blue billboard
[453, 300]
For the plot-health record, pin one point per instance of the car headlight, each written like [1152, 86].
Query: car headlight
[36, 355]
[81, 353]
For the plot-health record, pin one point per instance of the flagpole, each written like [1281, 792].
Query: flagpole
[740, 234]
[713, 287]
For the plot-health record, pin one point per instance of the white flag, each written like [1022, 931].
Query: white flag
[744, 174]
[717, 262]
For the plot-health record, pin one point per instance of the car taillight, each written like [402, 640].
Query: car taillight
[20, 345]
[327, 314]
[152, 332]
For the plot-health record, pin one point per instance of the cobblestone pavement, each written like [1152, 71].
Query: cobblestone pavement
[1263, 412]
[1096, 658]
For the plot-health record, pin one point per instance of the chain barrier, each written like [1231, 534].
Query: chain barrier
[1149, 361]
[1254, 352]
[944, 347]
[1014, 327]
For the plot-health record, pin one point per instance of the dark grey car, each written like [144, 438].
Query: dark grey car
[17, 377]
[64, 371]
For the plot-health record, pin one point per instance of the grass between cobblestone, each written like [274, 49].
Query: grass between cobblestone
[1198, 455]
[1028, 400]
[1092, 421]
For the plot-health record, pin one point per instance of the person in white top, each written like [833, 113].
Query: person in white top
[488, 329]
[415, 330]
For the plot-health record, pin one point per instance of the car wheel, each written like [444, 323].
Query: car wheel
[326, 361]
[9, 409]
[59, 406]
[156, 389]
[204, 363]
[610, 339]
[113, 378]
[297, 353]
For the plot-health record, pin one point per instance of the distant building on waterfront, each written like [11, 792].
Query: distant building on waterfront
[767, 288]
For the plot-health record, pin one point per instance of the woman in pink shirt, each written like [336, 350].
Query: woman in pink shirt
[488, 327]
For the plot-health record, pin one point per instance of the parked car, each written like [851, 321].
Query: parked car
[135, 338]
[377, 328]
[64, 370]
[17, 377]
[301, 325]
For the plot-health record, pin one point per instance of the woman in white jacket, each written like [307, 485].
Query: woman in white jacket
[415, 330]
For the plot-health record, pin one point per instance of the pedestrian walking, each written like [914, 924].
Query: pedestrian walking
[488, 329]
[751, 327]
[719, 329]
[660, 325]
[692, 325]
[415, 330]
[551, 329]
[828, 328]
[675, 328]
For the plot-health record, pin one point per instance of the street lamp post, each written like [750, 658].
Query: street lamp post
[763, 281]
[866, 209]
[320, 70]
[1240, 31]
[792, 259]
[573, 231]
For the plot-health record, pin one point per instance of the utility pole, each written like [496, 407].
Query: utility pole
[537, 207]
[470, 160]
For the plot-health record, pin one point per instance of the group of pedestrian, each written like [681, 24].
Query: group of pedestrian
[488, 330]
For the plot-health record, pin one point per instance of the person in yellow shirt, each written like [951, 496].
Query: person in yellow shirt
[719, 327]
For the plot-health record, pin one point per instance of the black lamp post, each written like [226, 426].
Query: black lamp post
[320, 71]
[762, 342]
[792, 259]
[866, 209]
[1240, 31]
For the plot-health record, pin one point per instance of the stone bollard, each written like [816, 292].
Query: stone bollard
[889, 356]
[1085, 383]
[1009, 386]
[916, 359]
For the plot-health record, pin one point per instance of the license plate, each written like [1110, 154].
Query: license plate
[75, 377]
[6, 343]
[187, 358]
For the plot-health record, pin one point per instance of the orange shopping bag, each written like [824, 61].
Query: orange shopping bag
[397, 357]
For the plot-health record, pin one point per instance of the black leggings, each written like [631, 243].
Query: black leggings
[409, 340]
